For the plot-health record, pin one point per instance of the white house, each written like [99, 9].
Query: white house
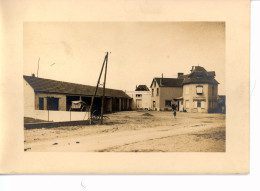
[141, 97]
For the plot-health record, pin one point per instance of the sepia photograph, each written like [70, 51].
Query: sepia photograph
[124, 86]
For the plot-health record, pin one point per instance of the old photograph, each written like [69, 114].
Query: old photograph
[124, 87]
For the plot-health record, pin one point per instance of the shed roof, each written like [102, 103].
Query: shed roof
[59, 87]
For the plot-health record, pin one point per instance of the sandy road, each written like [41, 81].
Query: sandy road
[133, 128]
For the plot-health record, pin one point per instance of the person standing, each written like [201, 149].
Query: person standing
[174, 107]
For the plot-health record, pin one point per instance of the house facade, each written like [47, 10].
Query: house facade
[200, 91]
[164, 91]
[41, 95]
[141, 97]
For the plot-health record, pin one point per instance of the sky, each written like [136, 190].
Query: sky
[74, 51]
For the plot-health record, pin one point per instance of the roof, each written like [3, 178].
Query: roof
[142, 88]
[200, 75]
[59, 87]
[168, 82]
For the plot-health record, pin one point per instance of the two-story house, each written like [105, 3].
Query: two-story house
[200, 91]
[164, 91]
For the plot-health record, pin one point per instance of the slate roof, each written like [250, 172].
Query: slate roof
[200, 75]
[142, 88]
[42, 85]
[168, 82]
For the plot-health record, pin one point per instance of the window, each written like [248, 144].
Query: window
[212, 90]
[168, 103]
[199, 90]
[187, 104]
[187, 90]
[154, 83]
[195, 104]
[203, 104]
[138, 95]
[41, 103]
[152, 92]
[52, 103]
[157, 92]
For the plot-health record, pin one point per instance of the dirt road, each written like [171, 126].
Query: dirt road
[133, 131]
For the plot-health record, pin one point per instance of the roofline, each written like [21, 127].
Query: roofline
[72, 83]
[155, 78]
[52, 92]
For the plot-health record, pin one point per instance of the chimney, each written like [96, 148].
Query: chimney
[161, 80]
[180, 74]
[33, 75]
[192, 68]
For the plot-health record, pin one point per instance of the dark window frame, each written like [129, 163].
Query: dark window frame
[41, 103]
[168, 103]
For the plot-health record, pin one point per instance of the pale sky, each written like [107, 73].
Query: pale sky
[140, 51]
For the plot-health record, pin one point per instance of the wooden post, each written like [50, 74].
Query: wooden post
[104, 89]
[93, 97]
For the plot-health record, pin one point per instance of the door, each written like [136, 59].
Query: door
[199, 106]
[154, 105]
[138, 103]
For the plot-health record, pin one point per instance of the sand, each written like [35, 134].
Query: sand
[132, 131]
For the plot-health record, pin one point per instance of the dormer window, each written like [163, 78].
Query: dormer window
[199, 90]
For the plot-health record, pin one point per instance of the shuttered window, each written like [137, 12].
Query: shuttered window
[187, 104]
[195, 104]
[203, 104]
[199, 90]
[187, 90]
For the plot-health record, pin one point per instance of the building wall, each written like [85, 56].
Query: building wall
[190, 98]
[29, 98]
[145, 99]
[154, 97]
[62, 100]
[168, 93]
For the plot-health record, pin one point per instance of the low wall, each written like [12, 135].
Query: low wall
[55, 124]
[56, 116]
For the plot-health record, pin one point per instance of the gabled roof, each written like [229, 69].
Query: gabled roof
[142, 88]
[168, 82]
[52, 86]
[200, 75]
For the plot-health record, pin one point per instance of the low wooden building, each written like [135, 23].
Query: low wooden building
[47, 94]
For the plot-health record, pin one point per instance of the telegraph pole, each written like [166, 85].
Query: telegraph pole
[93, 97]
[104, 89]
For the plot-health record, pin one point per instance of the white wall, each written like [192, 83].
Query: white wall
[57, 116]
[146, 98]
[29, 98]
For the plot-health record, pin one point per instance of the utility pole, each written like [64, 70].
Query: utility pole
[93, 97]
[104, 89]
